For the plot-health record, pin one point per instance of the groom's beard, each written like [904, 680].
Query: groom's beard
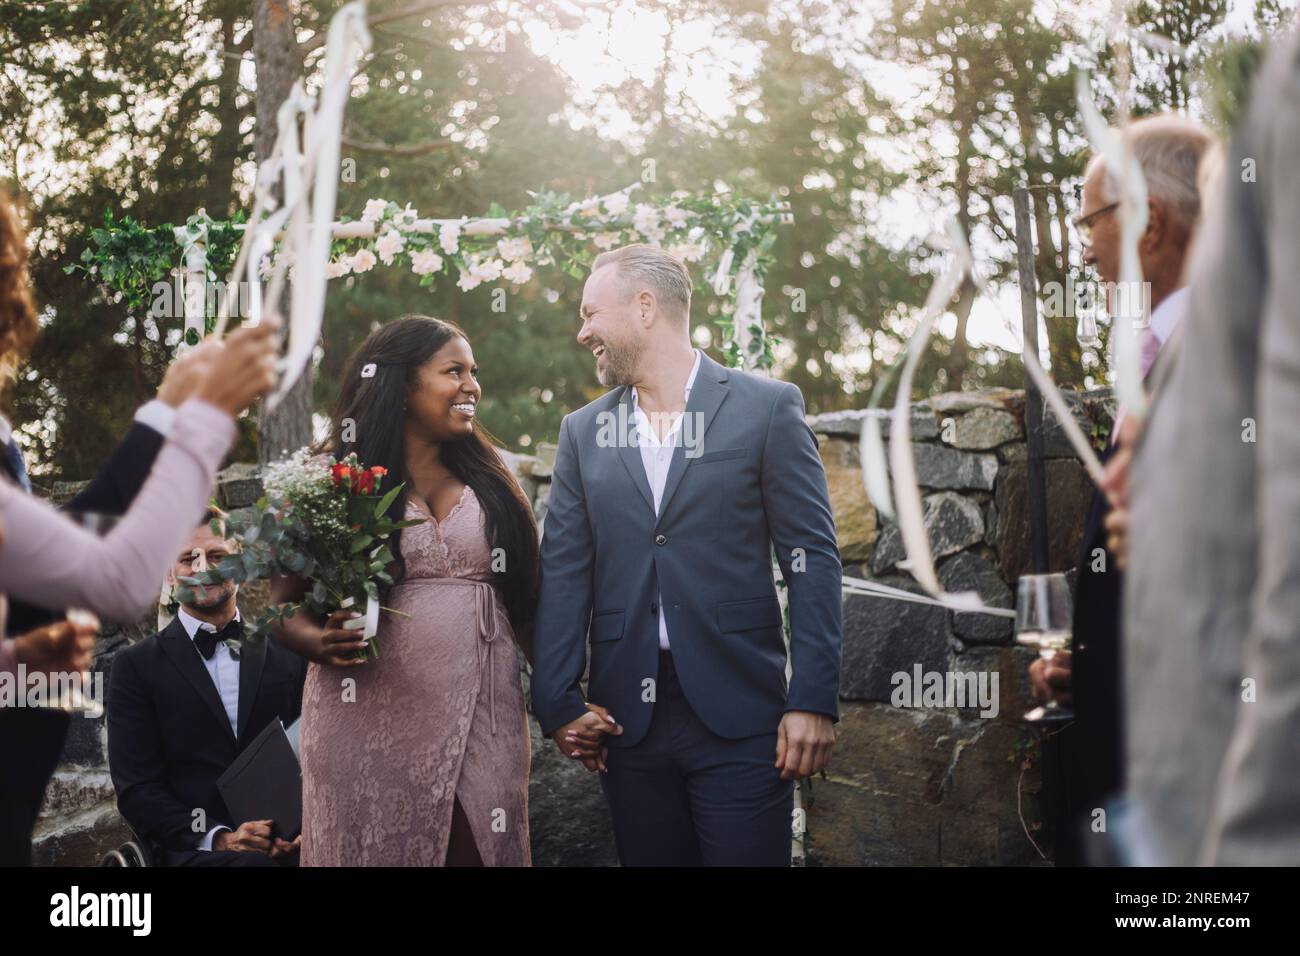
[620, 364]
[210, 596]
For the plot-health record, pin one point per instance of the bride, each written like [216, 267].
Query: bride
[420, 756]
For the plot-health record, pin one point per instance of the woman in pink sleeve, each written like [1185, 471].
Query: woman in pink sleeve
[47, 560]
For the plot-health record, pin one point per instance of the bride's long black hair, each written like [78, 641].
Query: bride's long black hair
[374, 409]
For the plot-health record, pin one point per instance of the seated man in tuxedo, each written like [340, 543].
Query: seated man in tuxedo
[182, 705]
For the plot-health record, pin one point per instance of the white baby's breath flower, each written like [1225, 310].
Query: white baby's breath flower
[374, 211]
[425, 261]
[389, 245]
[363, 261]
[300, 474]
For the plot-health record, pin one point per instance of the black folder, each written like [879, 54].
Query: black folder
[265, 783]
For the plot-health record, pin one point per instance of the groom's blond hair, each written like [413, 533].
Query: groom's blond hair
[641, 265]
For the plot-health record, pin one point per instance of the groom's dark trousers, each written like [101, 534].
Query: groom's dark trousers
[692, 778]
[686, 797]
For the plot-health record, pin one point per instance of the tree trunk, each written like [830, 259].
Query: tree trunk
[1062, 343]
[960, 117]
[279, 64]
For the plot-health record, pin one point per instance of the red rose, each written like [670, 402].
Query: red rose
[338, 472]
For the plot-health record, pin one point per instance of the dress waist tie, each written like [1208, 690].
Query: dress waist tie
[485, 624]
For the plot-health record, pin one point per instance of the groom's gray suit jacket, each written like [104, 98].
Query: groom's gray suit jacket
[755, 482]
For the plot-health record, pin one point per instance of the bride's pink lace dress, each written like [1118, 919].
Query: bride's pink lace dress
[439, 716]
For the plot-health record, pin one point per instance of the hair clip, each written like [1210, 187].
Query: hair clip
[368, 370]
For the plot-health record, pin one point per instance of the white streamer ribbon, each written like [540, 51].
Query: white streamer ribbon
[309, 172]
[749, 309]
[722, 275]
[1078, 441]
[867, 588]
[310, 241]
[907, 495]
[368, 623]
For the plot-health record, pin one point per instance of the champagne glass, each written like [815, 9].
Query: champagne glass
[1043, 621]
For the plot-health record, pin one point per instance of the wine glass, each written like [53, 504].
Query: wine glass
[1043, 621]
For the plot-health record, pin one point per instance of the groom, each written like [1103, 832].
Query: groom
[669, 495]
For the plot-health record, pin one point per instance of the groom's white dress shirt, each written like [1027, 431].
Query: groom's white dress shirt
[223, 667]
[656, 456]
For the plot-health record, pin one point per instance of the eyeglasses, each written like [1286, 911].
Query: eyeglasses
[1084, 224]
[212, 558]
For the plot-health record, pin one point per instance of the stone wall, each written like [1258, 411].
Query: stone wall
[906, 786]
[942, 785]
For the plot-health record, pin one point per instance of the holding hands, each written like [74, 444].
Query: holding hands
[582, 739]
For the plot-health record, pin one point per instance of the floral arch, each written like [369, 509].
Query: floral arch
[727, 239]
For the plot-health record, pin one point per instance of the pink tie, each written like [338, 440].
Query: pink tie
[1149, 348]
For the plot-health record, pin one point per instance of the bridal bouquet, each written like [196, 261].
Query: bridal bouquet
[323, 521]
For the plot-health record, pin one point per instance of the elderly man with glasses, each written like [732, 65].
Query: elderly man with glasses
[1089, 753]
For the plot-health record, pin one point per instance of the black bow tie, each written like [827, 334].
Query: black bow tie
[206, 640]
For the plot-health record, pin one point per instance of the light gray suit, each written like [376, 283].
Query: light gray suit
[1213, 588]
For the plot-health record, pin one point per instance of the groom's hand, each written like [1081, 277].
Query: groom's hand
[803, 744]
[582, 739]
